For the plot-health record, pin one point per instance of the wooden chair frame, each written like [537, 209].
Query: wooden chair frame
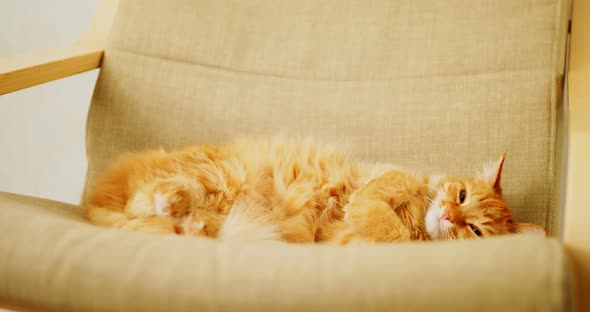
[31, 69]
[24, 71]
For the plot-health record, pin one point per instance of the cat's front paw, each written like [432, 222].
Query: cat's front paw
[375, 221]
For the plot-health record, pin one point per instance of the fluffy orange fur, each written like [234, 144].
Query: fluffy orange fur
[294, 191]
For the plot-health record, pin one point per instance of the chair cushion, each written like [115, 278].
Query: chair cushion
[433, 85]
[51, 259]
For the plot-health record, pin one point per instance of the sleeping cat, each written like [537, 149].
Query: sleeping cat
[294, 191]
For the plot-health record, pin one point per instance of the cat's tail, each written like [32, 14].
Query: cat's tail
[106, 217]
[249, 221]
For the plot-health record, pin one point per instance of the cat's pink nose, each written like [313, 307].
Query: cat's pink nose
[447, 216]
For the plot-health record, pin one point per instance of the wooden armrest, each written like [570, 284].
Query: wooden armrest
[23, 71]
[577, 207]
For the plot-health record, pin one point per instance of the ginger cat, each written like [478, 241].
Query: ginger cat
[296, 192]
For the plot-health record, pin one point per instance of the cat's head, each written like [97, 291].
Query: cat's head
[472, 207]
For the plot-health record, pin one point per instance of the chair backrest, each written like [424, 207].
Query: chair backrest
[434, 85]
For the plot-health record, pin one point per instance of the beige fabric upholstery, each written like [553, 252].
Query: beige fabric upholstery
[434, 85]
[63, 264]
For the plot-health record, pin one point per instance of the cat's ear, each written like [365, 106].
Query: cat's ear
[530, 229]
[492, 173]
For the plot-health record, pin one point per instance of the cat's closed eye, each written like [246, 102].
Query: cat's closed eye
[475, 230]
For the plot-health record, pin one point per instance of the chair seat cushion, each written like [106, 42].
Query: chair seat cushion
[52, 259]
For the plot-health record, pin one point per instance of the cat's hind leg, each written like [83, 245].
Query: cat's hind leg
[166, 197]
[156, 206]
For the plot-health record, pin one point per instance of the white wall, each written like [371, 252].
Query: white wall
[42, 149]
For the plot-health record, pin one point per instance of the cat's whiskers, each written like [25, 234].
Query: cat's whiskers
[428, 198]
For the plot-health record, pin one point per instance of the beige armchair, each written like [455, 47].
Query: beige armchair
[435, 85]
